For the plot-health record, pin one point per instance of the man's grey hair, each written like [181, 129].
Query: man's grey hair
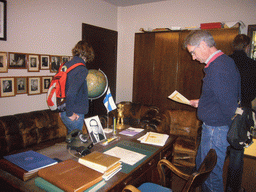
[194, 38]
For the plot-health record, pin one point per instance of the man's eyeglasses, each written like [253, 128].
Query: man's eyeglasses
[193, 52]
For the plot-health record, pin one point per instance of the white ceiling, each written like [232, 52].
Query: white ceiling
[123, 3]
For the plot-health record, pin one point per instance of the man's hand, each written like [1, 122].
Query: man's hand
[194, 103]
[74, 117]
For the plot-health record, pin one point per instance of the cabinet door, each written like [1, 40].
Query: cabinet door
[143, 68]
[165, 68]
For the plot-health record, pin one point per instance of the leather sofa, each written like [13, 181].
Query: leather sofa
[30, 131]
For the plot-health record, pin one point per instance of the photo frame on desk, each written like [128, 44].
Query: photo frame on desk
[95, 129]
[7, 86]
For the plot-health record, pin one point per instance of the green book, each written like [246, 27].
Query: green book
[47, 186]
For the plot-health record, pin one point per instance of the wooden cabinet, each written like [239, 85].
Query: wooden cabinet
[162, 65]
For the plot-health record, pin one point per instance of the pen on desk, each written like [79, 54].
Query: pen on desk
[114, 126]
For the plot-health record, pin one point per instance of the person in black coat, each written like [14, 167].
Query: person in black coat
[247, 70]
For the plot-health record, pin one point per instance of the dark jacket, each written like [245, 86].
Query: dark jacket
[247, 69]
[76, 88]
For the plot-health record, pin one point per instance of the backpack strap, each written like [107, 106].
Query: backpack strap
[74, 66]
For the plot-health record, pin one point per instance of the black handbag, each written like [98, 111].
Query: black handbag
[240, 132]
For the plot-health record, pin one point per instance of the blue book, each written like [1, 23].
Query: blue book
[30, 160]
[47, 186]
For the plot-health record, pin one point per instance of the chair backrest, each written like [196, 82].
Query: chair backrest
[206, 167]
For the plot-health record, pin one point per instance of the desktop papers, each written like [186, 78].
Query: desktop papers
[127, 156]
[176, 96]
[131, 131]
[153, 138]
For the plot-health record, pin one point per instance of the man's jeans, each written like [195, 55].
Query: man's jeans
[213, 138]
[72, 125]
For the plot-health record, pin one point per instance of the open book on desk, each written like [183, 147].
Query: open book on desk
[153, 138]
[176, 96]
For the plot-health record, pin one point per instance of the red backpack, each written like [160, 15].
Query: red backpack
[56, 92]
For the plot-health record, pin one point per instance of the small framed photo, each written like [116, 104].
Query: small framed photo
[21, 85]
[33, 63]
[95, 129]
[34, 85]
[65, 59]
[44, 62]
[7, 86]
[17, 61]
[3, 20]
[3, 62]
[55, 63]
[46, 83]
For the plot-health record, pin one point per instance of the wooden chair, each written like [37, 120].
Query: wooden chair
[192, 181]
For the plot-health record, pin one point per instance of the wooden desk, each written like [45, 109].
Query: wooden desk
[146, 171]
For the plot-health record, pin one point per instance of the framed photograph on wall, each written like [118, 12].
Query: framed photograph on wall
[46, 83]
[55, 63]
[33, 63]
[44, 62]
[65, 59]
[95, 129]
[21, 85]
[3, 20]
[3, 62]
[17, 61]
[7, 86]
[34, 85]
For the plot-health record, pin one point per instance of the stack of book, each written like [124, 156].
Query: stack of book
[103, 163]
[69, 176]
[25, 165]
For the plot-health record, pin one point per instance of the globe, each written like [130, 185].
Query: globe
[97, 83]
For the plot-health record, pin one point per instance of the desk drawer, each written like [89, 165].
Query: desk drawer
[145, 173]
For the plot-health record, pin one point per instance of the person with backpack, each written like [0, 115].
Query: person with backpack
[77, 103]
[247, 70]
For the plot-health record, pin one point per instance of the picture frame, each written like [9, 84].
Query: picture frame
[95, 129]
[46, 81]
[252, 34]
[7, 86]
[65, 59]
[55, 63]
[44, 62]
[34, 85]
[3, 20]
[3, 62]
[17, 60]
[21, 85]
[33, 62]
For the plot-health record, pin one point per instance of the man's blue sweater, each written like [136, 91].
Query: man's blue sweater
[76, 89]
[220, 91]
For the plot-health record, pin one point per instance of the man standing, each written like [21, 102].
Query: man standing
[217, 103]
[247, 70]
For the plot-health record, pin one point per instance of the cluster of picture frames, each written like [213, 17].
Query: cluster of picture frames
[34, 85]
[31, 62]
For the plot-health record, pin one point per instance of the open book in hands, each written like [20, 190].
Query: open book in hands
[176, 96]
